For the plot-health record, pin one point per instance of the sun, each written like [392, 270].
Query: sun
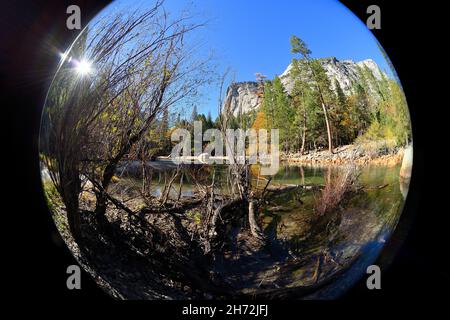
[83, 67]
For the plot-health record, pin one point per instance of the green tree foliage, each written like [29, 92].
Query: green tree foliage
[283, 114]
[194, 113]
[318, 79]
[269, 104]
[278, 110]
[389, 117]
[373, 109]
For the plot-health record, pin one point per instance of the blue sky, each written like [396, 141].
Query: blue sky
[252, 36]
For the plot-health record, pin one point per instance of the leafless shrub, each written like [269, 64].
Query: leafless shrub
[142, 66]
[337, 186]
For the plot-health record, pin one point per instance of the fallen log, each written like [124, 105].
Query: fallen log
[291, 187]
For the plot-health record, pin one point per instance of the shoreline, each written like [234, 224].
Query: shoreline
[349, 154]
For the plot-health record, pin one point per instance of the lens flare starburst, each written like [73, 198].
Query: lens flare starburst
[83, 67]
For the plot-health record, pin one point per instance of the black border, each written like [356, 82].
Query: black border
[38, 256]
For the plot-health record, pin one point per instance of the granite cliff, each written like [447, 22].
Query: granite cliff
[243, 96]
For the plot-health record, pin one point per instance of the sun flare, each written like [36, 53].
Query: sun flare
[83, 67]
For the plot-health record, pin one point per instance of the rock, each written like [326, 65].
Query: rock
[406, 168]
[345, 72]
[242, 97]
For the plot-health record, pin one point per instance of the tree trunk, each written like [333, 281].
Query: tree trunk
[211, 232]
[144, 177]
[254, 227]
[100, 208]
[302, 149]
[330, 142]
[302, 174]
[181, 186]
[108, 173]
[303, 133]
[71, 188]
[169, 187]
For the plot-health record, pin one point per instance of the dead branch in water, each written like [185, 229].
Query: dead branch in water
[377, 187]
[167, 188]
[280, 188]
[266, 186]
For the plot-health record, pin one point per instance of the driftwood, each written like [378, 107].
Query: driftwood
[317, 270]
[177, 208]
[265, 187]
[211, 224]
[279, 209]
[181, 187]
[290, 187]
[254, 227]
[376, 187]
[167, 188]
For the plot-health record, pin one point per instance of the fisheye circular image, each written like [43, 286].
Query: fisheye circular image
[225, 149]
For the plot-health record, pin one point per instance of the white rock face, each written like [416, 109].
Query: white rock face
[372, 66]
[345, 72]
[243, 95]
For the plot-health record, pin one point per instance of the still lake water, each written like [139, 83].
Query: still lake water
[301, 243]
[350, 239]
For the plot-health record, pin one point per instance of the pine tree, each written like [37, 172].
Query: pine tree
[269, 104]
[209, 121]
[341, 98]
[400, 117]
[283, 113]
[369, 100]
[342, 117]
[163, 130]
[320, 80]
[194, 114]
[300, 94]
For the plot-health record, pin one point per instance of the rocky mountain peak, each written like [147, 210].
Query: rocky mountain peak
[243, 96]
